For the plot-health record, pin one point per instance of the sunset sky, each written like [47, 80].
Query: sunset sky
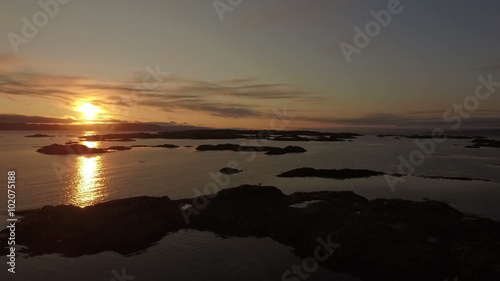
[89, 62]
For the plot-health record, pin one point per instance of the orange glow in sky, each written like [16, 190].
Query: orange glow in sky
[89, 110]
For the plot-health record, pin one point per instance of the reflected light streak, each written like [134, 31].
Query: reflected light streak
[87, 187]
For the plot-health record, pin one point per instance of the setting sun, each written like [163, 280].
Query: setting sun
[89, 110]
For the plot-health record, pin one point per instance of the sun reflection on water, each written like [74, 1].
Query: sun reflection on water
[88, 187]
[91, 144]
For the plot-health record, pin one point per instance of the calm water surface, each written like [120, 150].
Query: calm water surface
[183, 172]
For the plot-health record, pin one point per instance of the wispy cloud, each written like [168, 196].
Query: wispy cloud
[17, 118]
[484, 119]
[236, 98]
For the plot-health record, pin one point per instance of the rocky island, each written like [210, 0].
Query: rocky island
[39, 136]
[483, 142]
[269, 150]
[72, 148]
[229, 171]
[59, 149]
[341, 174]
[381, 239]
[228, 134]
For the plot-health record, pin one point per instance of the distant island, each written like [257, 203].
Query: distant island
[230, 134]
[341, 174]
[483, 142]
[269, 150]
[75, 148]
[39, 136]
[80, 149]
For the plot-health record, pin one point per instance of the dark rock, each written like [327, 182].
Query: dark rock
[316, 138]
[382, 239]
[290, 138]
[38, 136]
[231, 147]
[229, 171]
[58, 149]
[332, 174]
[453, 137]
[227, 134]
[119, 148]
[161, 145]
[109, 226]
[166, 146]
[486, 143]
[121, 139]
[328, 138]
[288, 149]
[236, 147]
[455, 178]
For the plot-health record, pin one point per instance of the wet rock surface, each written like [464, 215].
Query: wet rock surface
[382, 239]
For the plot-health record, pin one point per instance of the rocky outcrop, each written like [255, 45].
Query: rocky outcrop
[483, 142]
[232, 147]
[59, 149]
[229, 171]
[231, 134]
[119, 148]
[455, 178]
[74, 148]
[166, 146]
[39, 136]
[382, 239]
[269, 150]
[161, 145]
[452, 137]
[286, 150]
[323, 138]
[341, 174]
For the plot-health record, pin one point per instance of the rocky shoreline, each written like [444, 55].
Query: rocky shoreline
[381, 239]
